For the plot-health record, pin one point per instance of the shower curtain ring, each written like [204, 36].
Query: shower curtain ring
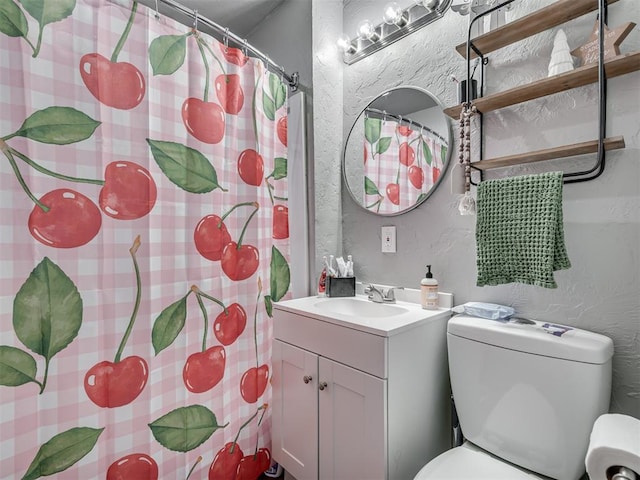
[225, 39]
[384, 116]
[195, 20]
[157, 13]
[400, 120]
[244, 47]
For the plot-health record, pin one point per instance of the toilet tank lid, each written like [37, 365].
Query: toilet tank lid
[538, 338]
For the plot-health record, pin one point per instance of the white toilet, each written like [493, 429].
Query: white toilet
[527, 396]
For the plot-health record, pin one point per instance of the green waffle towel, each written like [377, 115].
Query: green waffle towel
[519, 230]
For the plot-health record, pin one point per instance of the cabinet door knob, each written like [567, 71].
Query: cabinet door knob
[307, 378]
[322, 385]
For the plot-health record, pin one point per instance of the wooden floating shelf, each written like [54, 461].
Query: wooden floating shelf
[536, 22]
[585, 75]
[613, 143]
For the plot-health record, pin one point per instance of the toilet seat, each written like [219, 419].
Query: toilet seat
[469, 462]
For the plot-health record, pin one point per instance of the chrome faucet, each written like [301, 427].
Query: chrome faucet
[378, 296]
[374, 294]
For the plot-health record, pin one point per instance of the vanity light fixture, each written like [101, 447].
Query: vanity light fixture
[397, 24]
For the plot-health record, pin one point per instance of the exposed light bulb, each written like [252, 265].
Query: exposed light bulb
[367, 31]
[393, 15]
[430, 4]
[344, 44]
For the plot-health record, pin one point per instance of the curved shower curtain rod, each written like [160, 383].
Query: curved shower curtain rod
[292, 79]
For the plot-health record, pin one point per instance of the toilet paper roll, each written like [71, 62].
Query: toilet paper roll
[614, 442]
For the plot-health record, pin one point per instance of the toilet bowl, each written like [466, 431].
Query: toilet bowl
[527, 395]
[469, 462]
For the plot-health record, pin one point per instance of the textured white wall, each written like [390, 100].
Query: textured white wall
[601, 292]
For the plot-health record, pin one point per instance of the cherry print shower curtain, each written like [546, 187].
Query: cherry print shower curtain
[144, 230]
[400, 164]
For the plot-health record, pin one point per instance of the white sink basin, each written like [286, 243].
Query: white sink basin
[357, 307]
[384, 319]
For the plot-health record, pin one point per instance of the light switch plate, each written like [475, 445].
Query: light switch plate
[389, 239]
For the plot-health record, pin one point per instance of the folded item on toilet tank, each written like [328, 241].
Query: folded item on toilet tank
[490, 311]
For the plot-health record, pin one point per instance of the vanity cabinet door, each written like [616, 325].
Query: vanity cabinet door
[353, 423]
[295, 410]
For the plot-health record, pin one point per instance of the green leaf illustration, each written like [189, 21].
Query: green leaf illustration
[268, 305]
[45, 12]
[268, 106]
[383, 144]
[370, 188]
[443, 153]
[280, 275]
[279, 168]
[372, 127]
[17, 367]
[12, 21]
[426, 151]
[47, 310]
[185, 428]
[62, 451]
[58, 126]
[48, 11]
[169, 324]
[167, 53]
[278, 90]
[186, 167]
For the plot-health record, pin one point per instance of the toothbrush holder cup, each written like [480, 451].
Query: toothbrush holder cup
[341, 286]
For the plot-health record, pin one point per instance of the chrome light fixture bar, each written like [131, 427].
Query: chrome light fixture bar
[371, 39]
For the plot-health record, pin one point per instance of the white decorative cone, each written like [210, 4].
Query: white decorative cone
[561, 60]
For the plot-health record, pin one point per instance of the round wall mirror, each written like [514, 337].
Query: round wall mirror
[396, 151]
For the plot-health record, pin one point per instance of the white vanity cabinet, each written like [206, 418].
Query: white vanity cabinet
[358, 401]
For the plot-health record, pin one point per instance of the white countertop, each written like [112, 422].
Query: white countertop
[379, 319]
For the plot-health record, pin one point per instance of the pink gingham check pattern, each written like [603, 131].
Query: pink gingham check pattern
[102, 269]
[385, 168]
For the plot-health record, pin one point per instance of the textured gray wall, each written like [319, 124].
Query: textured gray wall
[601, 292]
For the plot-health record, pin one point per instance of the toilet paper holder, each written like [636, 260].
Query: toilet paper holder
[621, 473]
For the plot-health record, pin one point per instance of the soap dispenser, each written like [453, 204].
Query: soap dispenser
[429, 291]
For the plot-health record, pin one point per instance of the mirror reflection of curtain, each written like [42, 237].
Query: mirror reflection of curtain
[400, 164]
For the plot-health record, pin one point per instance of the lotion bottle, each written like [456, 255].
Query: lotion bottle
[429, 291]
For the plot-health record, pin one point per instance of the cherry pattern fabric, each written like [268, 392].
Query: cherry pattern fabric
[400, 165]
[145, 237]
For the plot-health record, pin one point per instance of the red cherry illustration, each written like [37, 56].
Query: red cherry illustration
[280, 222]
[234, 55]
[435, 172]
[137, 466]
[407, 154]
[403, 130]
[229, 93]
[252, 466]
[72, 220]
[129, 191]
[227, 327]
[282, 130]
[210, 237]
[204, 120]
[116, 84]
[225, 463]
[203, 370]
[393, 193]
[416, 176]
[254, 383]
[251, 167]
[110, 384]
[239, 262]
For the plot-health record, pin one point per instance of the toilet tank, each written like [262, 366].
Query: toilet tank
[529, 393]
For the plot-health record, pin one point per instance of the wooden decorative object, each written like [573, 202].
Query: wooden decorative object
[588, 53]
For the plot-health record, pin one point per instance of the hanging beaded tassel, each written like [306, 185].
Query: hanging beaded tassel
[467, 205]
